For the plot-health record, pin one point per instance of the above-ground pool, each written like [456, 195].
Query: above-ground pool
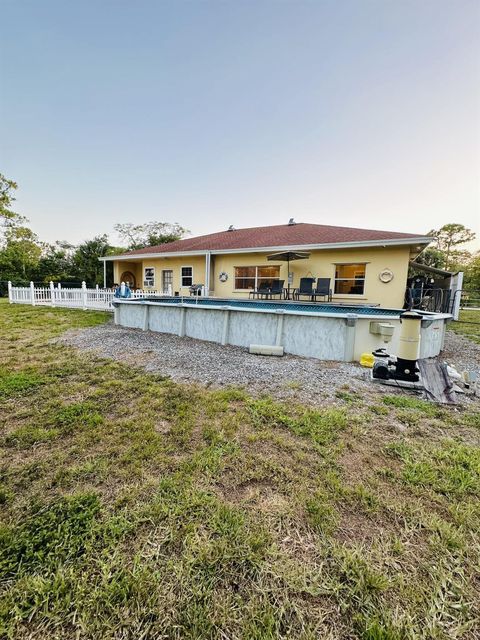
[323, 331]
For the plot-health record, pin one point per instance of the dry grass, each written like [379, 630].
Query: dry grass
[133, 507]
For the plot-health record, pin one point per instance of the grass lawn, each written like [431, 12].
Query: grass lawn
[136, 508]
[468, 325]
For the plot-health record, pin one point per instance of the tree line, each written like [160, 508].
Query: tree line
[447, 253]
[24, 257]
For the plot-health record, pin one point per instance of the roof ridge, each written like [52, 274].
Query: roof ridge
[298, 234]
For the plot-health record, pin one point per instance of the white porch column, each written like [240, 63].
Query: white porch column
[207, 272]
[104, 274]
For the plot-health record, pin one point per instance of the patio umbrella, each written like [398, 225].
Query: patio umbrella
[288, 256]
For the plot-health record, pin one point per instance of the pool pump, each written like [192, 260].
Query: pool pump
[404, 367]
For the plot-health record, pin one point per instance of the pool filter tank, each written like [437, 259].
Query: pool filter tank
[405, 366]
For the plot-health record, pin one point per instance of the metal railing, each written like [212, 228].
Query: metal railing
[429, 299]
[439, 300]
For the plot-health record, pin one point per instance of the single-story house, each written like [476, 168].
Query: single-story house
[364, 266]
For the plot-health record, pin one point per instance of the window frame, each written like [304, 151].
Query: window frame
[163, 278]
[145, 285]
[256, 278]
[353, 279]
[186, 266]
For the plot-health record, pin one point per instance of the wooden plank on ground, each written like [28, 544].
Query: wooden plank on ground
[436, 381]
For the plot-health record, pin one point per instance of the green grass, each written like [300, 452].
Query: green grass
[135, 507]
[468, 325]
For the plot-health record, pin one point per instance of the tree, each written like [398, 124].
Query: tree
[56, 263]
[432, 257]
[7, 216]
[86, 259]
[137, 236]
[472, 274]
[20, 255]
[450, 236]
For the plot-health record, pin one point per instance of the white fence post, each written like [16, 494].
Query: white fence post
[32, 293]
[52, 294]
[84, 295]
[10, 293]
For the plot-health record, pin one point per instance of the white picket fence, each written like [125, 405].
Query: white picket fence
[82, 298]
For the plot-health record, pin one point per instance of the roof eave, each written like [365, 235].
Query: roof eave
[391, 242]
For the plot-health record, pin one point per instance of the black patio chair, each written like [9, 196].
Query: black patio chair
[277, 288]
[305, 288]
[322, 289]
[262, 290]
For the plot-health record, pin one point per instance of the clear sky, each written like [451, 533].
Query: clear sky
[210, 113]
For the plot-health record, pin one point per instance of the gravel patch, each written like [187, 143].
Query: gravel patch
[461, 352]
[207, 363]
[187, 360]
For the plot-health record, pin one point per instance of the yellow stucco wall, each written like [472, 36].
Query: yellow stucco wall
[175, 264]
[321, 264]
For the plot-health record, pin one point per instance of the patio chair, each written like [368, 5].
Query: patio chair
[277, 288]
[323, 289]
[305, 288]
[262, 290]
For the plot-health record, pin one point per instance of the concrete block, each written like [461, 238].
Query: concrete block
[266, 350]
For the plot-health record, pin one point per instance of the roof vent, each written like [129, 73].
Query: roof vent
[231, 228]
[291, 221]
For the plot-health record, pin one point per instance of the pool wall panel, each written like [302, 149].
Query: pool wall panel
[130, 316]
[164, 319]
[252, 328]
[322, 338]
[432, 339]
[204, 324]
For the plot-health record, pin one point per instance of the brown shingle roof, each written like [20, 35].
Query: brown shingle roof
[284, 235]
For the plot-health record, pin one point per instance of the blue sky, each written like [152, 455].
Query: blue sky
[361, 113]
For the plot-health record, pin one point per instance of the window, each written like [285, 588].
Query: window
[350, 279]
[149, 277]
[187, 276]
[254, 277]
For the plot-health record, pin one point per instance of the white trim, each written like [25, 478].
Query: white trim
[150, 286]
[256, 278]
[335, 279]
[397, 242]
[163, 281]
[185, 266]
